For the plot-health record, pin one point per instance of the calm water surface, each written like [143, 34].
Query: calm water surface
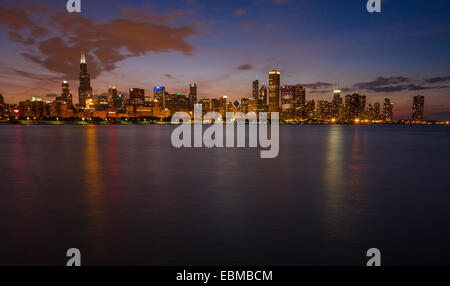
[124, 196]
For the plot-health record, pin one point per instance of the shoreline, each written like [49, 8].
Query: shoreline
[49, 123]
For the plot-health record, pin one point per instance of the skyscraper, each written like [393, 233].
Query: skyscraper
[137, 97]
[337, 104]
[274, 91]
[355, 106]
[66, 97]
[2, 100]
[377, 111]
[288, 102]
[192, 95]
[112, 94]
[159, 93]
[255, 89]
[418, 107]
[85, 88]
[388, 110]
[263, 94]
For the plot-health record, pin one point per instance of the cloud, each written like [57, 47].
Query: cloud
[391, 84]
[36, 76]
[56, 40]
[169, 76]
[51, 95]
[437, 79]
[240, 12]
[244, 67]
[318, 85]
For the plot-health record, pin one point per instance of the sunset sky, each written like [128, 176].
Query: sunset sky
[224, 45]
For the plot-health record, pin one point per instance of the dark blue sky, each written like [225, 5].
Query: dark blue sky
[224, 45]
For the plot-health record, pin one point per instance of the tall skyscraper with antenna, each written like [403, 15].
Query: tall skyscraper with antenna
[85, 89]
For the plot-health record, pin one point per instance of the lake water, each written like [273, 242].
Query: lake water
[124, 196]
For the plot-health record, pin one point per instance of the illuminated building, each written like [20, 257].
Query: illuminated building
[192, 95]
[66, 96]
[287, 102]
[377, 111]
[223, 106]
[262, 95]
[252, 105]
[85, 88]
[337, 104]
[3, 108]
[324, 110]
[370, 112]
[102, 103]
[274, 91]
[310, 109]
[26, 109]
[355, 106]
[244, 105]
[178, 102]
[388, 110]
[119, 102]
[159, 93]
[255, 89]
[215, 105]
[300, 100]
[418, 108]
[148, 101]
[137, 97]
[206, 105]
[112, 95]
[89, 102]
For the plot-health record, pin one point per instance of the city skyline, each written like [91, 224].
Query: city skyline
[219, 55]
[289, 101]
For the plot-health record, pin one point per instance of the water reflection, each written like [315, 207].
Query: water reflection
[334, 176]
[93, 188]
[19, 172]
[114, 180]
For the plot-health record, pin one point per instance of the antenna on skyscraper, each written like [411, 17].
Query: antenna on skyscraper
[83, 58]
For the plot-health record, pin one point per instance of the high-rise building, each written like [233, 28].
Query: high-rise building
[192, 95]
[223, 105]
[85, 89]
[262, 95]
[355, 106]
[119, 102]
[310, 109]
[66, 97]
[388, 110]
[137, 97]
[206, 105]
[288, 102]
[89, 101]
[112, 94]
[102, 100]
[274, 91]
[337, 104]
[300, 101]
[2, 100]
[324, 110]
[418, 108]
[377, 111]
[255, 89]
[159, 93]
